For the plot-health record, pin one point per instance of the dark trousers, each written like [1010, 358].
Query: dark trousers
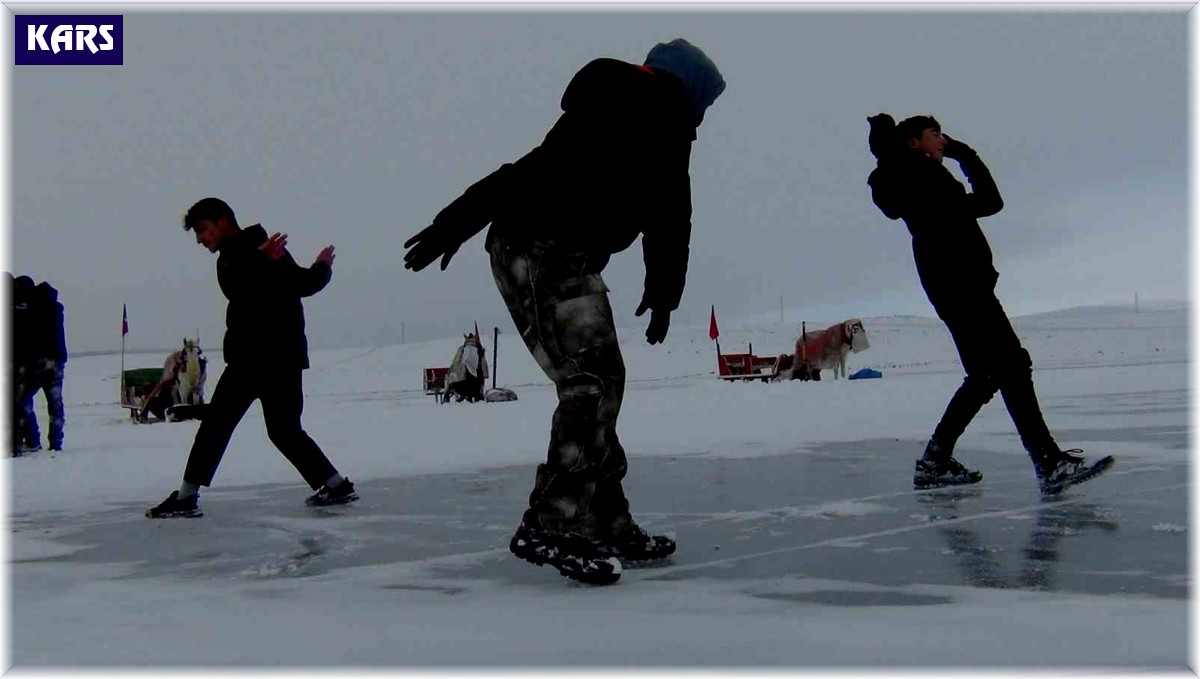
[46, 375]
[562, 312]
[994, 360]
[282, 395]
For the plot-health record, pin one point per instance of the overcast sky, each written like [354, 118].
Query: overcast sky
[354, 129]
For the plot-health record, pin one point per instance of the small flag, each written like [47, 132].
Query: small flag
[712, 325]
[124, 321]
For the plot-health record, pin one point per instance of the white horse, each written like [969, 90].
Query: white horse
[186, 370]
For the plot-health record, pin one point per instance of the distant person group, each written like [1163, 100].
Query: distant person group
[613, 167]
[38, 344]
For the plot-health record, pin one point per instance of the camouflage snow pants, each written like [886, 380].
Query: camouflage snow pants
[46, 375]
[561, 310]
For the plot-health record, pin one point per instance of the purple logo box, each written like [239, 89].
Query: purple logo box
[68, 39]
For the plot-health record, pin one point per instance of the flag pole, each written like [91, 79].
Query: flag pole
[124, 329]
[802, 355]
[714, 335]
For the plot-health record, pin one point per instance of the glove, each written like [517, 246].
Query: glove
[469, 214]
[439, 239]
[656, 332]
[882, 139]
[956, 149]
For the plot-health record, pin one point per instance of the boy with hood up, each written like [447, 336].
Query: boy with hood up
[614, 165]
[954, 263]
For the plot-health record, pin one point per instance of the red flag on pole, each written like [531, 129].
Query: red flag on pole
[124, 321]
[712, 325]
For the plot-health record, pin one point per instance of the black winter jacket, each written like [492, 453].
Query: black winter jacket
[51, 334]
[38, 330]
[24, 326]
[951, 252]
[264, 322]
[615, 165]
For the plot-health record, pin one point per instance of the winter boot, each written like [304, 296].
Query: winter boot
[937, 468]
[1057, 472]
[573, 555]
[340, 494]
[635, 544]
[175, 508]
[944, 472]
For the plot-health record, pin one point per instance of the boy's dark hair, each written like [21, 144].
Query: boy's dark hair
[210, 209]
[914, 127]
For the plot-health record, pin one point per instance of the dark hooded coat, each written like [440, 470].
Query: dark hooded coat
[51, 324]
[952, 255]
[614, 165]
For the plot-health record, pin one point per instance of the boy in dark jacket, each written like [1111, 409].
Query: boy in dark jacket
[954, 264]
[265, 353]
[613, 167]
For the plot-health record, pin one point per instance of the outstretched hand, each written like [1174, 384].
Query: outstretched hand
[325, 257]
[275, 246]
[435, 240]
[660, 321]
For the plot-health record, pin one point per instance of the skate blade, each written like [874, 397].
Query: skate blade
[341, 501]
[175, 515]
[930, 485]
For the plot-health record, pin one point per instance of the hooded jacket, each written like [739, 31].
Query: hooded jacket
[51, 327]
[24, 321]
[614, 165]
[951, 252]
[264, 321]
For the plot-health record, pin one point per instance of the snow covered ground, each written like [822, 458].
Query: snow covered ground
[802, 543]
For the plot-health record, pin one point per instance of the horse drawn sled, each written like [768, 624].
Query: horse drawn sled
[465, 379]
[821, 350]
[172, 393]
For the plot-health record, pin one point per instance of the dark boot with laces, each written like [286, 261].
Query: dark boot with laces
[574, 556]
[937, 468]
[1061, 469]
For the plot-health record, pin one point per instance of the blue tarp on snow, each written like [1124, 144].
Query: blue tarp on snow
[866, 374]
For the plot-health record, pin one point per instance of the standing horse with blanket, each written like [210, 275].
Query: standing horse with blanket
[468, 372]
[828, 348]
[183, 376]
[191, 369]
